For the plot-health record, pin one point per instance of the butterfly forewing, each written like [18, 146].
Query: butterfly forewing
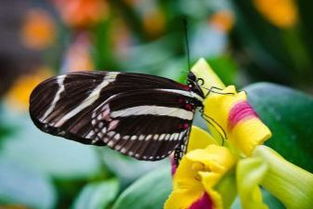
[140, 115]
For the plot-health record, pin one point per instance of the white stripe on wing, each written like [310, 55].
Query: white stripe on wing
[153, 110]
[184, 93]
[60, 81]
[93, 96]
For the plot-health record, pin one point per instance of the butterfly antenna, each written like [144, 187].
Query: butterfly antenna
[185, 23]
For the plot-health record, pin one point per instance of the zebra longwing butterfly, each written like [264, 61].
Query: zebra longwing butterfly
[143, 116]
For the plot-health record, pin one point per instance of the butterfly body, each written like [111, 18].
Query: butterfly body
[143, 116]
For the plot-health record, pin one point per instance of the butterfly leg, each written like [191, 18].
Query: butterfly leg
[217, 90]
[213, 123]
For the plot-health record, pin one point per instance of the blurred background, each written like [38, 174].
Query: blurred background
[244, 41]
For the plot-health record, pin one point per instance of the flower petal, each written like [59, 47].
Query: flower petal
[202, 70]
[199, 139]
[250, 172]
[292, 185]
[212, 163]
[237, 118]
[205, 202]
[198, 172]
[182, 198]
[218, 161]
[227, 189]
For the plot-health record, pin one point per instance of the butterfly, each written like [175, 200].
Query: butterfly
[143, 116]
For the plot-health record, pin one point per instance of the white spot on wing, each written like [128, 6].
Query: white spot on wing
[162, 137]
[113, 124]
[90, 134]
[117, 136]
[111, 143]
[148, 137]
[101, 124]
[100, 134]
[111, 133]
[104, 130]
[181, 135]
[94, 141]
[99, 117]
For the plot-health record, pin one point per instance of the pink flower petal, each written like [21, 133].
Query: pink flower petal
[239, 112]
[205, 202]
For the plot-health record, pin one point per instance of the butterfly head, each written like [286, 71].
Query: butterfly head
[195, 84]
[205, 77]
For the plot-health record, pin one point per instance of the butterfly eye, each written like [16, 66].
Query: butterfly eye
[191, 76]
[200, 81]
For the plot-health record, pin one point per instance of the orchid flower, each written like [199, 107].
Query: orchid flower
[231, 161]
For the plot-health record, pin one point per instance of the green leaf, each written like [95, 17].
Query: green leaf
[288, 113]
[117, 163]
[97, 195]
[22, 185]
[148, 192]
[55, 156]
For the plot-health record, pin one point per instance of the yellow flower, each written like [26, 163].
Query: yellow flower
[234, 115]
[18, 95]
[231, 111]
[281, 13]
[198, 173]
[210, 175]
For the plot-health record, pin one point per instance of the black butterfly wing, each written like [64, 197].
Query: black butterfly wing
[65, 92]
[149, 126]
[139, 115]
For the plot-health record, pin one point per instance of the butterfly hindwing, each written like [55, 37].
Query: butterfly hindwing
[139, 115]
[147, 124]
